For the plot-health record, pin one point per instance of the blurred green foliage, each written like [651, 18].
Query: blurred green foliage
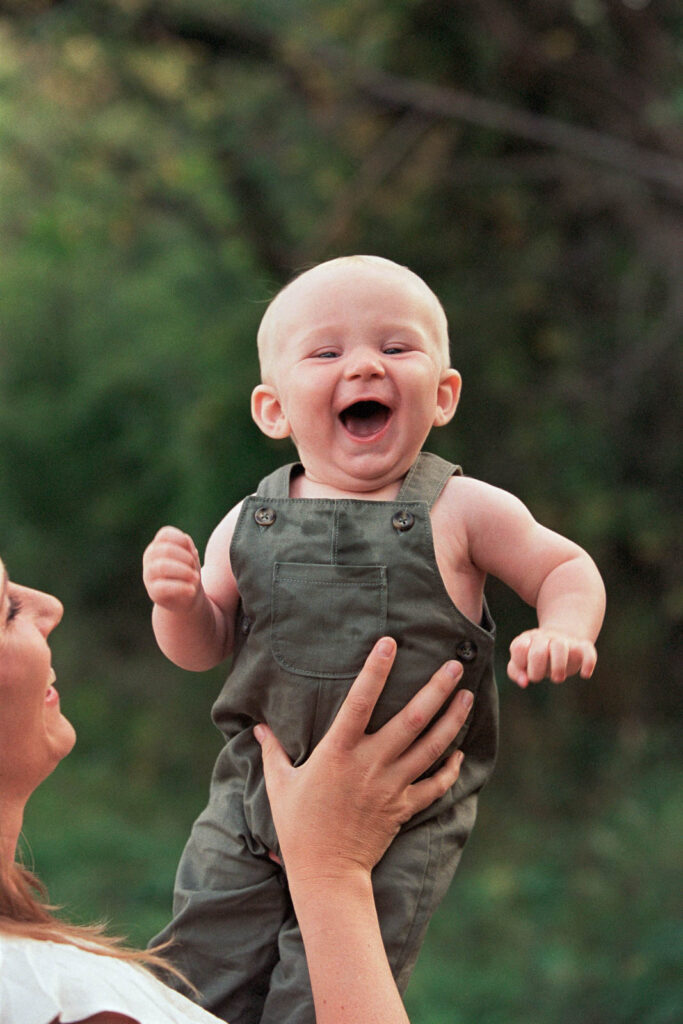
[164, 168]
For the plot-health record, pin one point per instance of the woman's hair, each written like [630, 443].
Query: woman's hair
[25, 913]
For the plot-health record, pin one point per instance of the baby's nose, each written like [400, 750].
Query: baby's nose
[365, 364]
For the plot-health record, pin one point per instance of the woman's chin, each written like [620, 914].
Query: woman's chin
[62, 737]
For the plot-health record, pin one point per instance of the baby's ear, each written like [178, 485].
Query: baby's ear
[267, 412]
[447, 397]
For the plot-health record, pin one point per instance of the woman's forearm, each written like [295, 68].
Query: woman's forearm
[336, 815]
[350, 974]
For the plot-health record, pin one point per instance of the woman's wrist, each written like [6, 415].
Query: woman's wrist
[332, 881]
[350, 974]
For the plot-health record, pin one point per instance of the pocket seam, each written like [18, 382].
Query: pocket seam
[378, 584]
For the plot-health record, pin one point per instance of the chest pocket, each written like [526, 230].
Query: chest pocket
[325, 618]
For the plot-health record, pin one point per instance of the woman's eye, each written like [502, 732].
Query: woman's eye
[14, 608]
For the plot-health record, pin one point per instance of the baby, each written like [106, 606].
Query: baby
[366, 536]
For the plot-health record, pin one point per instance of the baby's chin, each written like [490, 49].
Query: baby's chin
[359, 477]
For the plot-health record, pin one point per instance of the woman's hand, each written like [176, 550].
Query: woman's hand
[340, 810]
[336, 815]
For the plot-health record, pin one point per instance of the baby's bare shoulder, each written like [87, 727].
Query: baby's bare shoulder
[463, 494]
[219, 542]
[481, 515]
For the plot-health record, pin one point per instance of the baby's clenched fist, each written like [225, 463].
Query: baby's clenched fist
[171, 570]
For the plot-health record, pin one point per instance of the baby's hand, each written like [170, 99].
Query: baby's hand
[540, 653]
[171, 570]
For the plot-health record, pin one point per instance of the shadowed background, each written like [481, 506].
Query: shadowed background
[164, 169]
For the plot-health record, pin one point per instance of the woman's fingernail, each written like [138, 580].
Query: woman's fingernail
[385, 647]
[454, 668]
[466, 699]
[259, 733]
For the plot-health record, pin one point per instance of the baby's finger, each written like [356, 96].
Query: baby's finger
[172, 594]
[589, 661]
[429, 748]
[558, 650]
[354, 715]
[422, 794]
[517, 675]
[519, 653]
[172, 535]
[169, 568]
[519, 649]
[538, 659]
[171, 550]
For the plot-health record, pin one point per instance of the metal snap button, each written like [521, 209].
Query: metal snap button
[466, 651]
[403, 521]
[245, 625]
[265, 516]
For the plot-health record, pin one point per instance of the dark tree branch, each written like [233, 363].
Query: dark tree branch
[399, 93]
[222, 35]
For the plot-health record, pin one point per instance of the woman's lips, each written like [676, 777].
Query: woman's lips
[51, 697]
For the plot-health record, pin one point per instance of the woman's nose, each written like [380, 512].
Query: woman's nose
[52, 612]
[47, 610]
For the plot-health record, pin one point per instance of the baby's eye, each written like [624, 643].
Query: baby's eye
[393, 350]
[326, 354]
[14, 607]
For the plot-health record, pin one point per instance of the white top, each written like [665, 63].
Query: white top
[41, 982]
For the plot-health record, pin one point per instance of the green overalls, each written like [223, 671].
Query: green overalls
[320, 580]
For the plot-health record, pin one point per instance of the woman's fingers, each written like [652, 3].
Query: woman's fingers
[432, 745]
[354, 715]
[276, 763]
[422, 794]
[403, 729]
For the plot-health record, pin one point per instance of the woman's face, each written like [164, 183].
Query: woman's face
[34, 735]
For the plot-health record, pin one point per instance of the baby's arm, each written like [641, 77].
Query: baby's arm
[548, 571]
[194, 608]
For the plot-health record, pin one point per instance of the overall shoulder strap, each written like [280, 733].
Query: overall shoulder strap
[276, 484]
[426, 478]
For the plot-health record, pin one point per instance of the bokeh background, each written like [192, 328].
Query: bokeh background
[165, 168]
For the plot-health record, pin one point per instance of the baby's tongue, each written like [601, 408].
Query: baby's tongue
[365, 419]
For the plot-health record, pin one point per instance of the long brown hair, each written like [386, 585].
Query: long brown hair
[26, 913]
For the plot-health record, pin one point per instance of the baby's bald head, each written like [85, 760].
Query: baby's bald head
[273, 330]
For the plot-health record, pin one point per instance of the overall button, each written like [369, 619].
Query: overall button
[245, 626]
[466, 651]
[265, 516]
[403, 521]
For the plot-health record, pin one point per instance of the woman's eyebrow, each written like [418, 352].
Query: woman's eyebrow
[5, 581]
[3, 596]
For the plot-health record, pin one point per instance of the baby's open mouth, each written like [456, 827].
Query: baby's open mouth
[364, 419]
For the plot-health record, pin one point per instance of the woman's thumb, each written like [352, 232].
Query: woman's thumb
[272, 751]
